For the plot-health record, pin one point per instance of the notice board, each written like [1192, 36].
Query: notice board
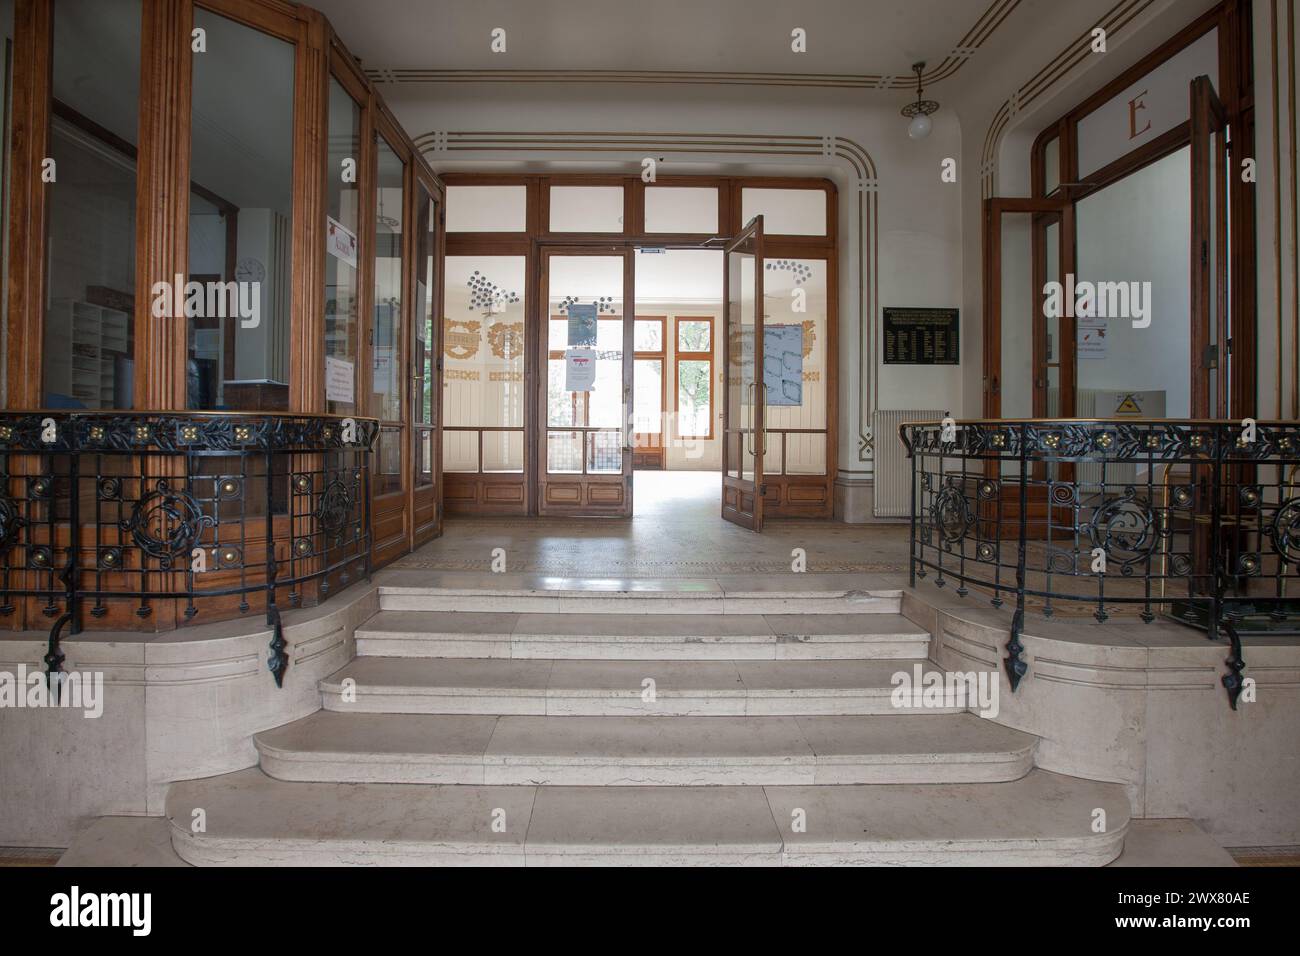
[922, 336]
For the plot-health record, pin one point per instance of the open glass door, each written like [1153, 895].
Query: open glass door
[1211, 326]
[744, 394]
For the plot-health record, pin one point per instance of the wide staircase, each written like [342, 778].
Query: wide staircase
[537, 726]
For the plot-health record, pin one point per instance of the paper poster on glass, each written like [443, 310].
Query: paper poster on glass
[782, 363]
[582, 325]
[579, 370]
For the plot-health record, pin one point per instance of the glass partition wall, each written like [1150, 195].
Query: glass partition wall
[584, 338]
[212, 213]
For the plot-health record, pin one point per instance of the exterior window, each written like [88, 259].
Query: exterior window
[241, 218]
[342, 264]
[586, 209]
[681, 209]
[694, 374]
[89, 333]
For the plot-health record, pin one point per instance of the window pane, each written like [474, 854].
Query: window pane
[459, 451]
[694, 335]
[681, 209]
[388, 460]
[794, 343]
[564, 453]
[7, 25]
[426, 230]
[241, 208]
[649, 335]
[503, 451]
[786, 212]
[89, 328]
[386, 402]
[483, 341]
[424, 446]
[1052, 161]
[342, 275]
[586, 209]
[604, 453]
[694, 397]
[648, 396]
[487, 208]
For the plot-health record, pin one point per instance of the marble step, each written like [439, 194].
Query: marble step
[1042, 819]
[751, 594]
[634, 751]
[635, 636]
[398, 685]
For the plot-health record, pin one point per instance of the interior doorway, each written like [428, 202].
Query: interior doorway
[585, 340]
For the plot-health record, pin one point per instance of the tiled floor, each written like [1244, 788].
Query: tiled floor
[676, 531]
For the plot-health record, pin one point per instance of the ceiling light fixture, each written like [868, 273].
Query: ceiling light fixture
[920, 111]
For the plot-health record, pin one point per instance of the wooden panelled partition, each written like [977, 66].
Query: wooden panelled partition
[162, 356]
[792, 487]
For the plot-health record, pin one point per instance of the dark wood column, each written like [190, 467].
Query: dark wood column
[311, 132]
[28, 209]
[162, 200]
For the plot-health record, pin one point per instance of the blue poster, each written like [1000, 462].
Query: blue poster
[582, 325]
[782, 363]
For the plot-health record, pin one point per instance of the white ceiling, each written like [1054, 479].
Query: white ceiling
[749, 36]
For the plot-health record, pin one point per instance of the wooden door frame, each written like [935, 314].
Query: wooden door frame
[994, 209]
[739, 486]
[583, 485]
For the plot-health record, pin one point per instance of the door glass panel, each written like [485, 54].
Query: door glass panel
[585, 362]
[89, 319]
[586, 209]
[389, 356]
[1020, 313]
[487, 208]
[425, 380]
[681, 209]
[483, 361]
[741, 373]
[647, 413]
[794, 357]
[788, 212]
[1133, 239]
[342, 273]
[241, 216]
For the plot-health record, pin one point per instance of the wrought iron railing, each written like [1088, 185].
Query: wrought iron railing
[163, 515]
[1198, 521]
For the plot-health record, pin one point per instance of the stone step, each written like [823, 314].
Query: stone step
[530, 593]
[635, 751]
[634, 636]
[396, 685]
[1042, 819]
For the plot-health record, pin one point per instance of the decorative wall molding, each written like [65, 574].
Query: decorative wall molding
[975, 37]
[1060, 66]
[863, 259]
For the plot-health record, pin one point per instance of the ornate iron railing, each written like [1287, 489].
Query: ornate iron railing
[1196, 520]
[161, 515]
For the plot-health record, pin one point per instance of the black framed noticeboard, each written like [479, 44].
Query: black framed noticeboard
[922, 336]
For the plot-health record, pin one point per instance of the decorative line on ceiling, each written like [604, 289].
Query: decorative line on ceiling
[1113, 21]
[966, 48]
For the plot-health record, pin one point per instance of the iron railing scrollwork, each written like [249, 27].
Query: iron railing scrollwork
[1198, 521]
[121, 512]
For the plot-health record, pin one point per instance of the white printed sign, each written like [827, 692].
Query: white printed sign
[1092, 339]
[340, 376]
[579, 370]
[340, 242]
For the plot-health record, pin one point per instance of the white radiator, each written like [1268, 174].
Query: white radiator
[893, 492]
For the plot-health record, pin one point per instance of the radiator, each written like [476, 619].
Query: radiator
[893, 492]
[1087, 474]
